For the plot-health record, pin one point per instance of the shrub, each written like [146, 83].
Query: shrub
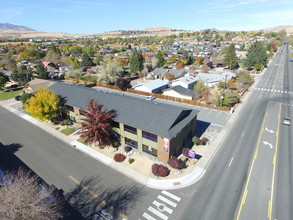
[160, 170]
[175, 163]
[196, 140]
[258, 66]
[119, 157]
[185, 152]
[66, 122]
[204, 140]
[127, 149]
[130, 160]
[24, 97]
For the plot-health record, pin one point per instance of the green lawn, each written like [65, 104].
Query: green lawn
[68, 131]
[9, 95]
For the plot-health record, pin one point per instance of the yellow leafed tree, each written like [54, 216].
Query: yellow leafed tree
[43, 105]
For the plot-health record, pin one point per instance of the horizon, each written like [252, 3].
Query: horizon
[91, 17]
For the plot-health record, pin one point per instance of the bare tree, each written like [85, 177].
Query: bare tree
[22, 198]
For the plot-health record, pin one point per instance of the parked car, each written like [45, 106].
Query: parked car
[150, 98]
[286, 121]
[17, 98]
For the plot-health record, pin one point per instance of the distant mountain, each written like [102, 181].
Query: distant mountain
[5, 27]
[288, 28]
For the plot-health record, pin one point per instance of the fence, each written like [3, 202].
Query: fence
[186, 101]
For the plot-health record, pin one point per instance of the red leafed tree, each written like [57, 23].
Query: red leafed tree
[97, 124]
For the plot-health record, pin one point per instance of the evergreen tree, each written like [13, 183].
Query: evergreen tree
[136, 61]
[230, 58]
[55, 49]
[160, 58]
[86, 60]
[41, 71]
[256, 54]
[3, 80]
[21, 75]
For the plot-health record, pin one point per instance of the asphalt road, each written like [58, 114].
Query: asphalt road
[90, 186]
[244, 181]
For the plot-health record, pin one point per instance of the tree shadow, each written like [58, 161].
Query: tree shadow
[11, 163]
[7, 158]
[201, 127]
[93, 202]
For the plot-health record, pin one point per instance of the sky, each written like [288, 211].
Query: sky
[98, 16]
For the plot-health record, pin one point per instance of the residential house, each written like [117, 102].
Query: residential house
[156, 129]
[187, 82]
[181, 92]
[212, 79]
[153, 86]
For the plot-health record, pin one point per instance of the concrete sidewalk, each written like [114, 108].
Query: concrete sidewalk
[176, 183]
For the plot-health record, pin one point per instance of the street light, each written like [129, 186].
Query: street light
[222, 100]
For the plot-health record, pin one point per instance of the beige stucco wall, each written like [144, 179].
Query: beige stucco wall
[175, 94]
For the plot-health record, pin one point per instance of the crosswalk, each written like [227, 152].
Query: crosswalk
[162, 207]
[274, 90]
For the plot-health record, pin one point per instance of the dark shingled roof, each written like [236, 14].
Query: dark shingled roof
[159, 118]
[183, 91]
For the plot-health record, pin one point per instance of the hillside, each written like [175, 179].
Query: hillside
[288, 28]
[6, 27]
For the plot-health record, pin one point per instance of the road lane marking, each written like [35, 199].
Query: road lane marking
[171, 195]
[104, 202]
[271, 131]
[252, 165]
[242, 134]
[147, 216]
[269, 210]
[231, 161]
[267, 143]
[245, 195]
[165, 208]
[274, 162]
[173, 204]
[158, 213]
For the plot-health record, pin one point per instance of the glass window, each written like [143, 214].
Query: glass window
[149, 136]
[69, 108]
[130, 142]
[130, 129]
[115, 124]
[149, 150]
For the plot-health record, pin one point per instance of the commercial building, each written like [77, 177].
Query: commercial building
[154, 128]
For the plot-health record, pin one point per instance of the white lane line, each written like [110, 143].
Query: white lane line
[250, 116]
[231, 161]
[147, 216]
[242, 134]
[171, 195]
[173, 204]
[165, 208]
[158, 213]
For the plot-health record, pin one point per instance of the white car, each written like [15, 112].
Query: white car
[150, 98]
[286, 121]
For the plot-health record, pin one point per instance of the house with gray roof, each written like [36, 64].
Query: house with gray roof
[181, 92]
[212, 79]
[187, 82]
[153, 86]
[156, 129]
